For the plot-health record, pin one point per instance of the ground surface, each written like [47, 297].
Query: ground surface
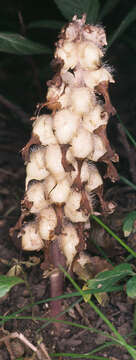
[119, 309]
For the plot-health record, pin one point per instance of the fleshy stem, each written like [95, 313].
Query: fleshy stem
[56, 282]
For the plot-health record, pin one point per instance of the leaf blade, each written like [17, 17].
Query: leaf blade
[108, 7]
[131, 287]
[106, 279]
[7, 282]
[69, 8]
[14, 43]
[47, 24]
[124, 25]
[128, 223]
[93, 11]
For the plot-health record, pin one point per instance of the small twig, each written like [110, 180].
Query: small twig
[9, 211]
[10, 351]
[40, 351]
[44, 351]
[79, 334]
[21, 337]
[22, 25]
[2, 327]
[24, 117]
[8, 172]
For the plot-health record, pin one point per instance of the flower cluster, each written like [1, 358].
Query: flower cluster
[67, 143]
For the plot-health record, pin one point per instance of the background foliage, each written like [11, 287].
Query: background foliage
[29, 30]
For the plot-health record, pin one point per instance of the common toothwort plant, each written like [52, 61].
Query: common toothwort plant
[62, 154]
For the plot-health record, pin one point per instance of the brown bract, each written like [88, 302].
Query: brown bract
[80, 230]
[34, 140]
[77, 183]
[102, 89]
[101, 131]
[59, 213]
[67, 166]
[85, 205]
[56, 81]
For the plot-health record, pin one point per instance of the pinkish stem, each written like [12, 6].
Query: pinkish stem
[56, 281]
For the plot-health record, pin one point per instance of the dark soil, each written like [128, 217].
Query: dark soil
[119, 309]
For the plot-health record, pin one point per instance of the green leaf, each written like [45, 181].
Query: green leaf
[128, 223]
[124, 25]
[47, 24]
[105, 280]
[16, 44]
[131, 287]
[131, 138]
[108, 7]
[69, 8]
[93, 11]
[6, 283]
[127, 182]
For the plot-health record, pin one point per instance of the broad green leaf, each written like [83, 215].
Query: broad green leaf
[131, 287]
[93, 11]
[69, 8]
[47, 24]
[124, 25]
[128, 223]
[107, 7]
[105, 280]
[16, 44]
[7, 282]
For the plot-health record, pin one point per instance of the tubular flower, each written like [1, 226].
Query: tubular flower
[62, 177]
